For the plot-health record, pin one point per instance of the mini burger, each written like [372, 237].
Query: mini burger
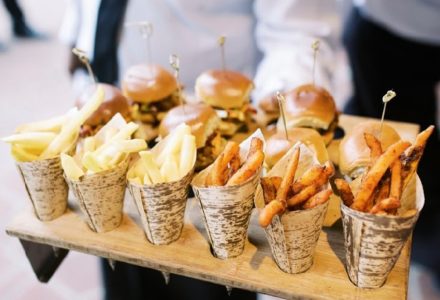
[114, 102]
[228, 93]
[354, 154]
[277, 145]
[310, 106]
[152, 91]
[204, 124]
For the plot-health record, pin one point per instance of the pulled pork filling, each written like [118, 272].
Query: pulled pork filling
[153, 113]
[235, 120]
[207, 154]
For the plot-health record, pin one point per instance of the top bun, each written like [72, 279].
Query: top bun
[148, 83]
[309, 106]
[354, 154]
[277, 145]
[223, 89]
[201, 117]
[114, 102]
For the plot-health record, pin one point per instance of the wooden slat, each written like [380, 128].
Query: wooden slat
[190, 255]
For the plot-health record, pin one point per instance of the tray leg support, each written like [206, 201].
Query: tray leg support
[44, 259]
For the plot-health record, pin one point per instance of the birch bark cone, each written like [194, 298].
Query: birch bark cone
[293, 235]
[101, 197]
[45, 186]
[162, 208]
[373, 243]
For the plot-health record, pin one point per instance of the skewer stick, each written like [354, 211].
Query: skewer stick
[221, 43]
[385, 99]
[166, 277]
[281, 101]
[146, 31]
[175, 64]
[85, 60]
[315, 47]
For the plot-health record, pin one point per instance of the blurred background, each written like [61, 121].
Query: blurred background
[35, 84]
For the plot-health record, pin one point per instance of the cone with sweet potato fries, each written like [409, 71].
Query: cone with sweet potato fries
[226, 191]
[381, 208]
[97, 172]
[158, 183]
[36, 148]
[293, 200]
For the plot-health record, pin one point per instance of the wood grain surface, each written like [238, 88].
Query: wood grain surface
[191, 256]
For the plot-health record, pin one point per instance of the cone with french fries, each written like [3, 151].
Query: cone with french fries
[158, 183]
[380, 209]
[97, 172]
[226, 191]
[293, 200]
[37, 147]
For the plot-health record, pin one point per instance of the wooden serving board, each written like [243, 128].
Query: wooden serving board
[190, 255]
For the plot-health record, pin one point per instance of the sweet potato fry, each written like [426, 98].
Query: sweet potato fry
[234, 165]
[308, 178]
[302, 196]
[411, 158]
[249, 168]
[396, 179]
[256, 145]
[376, 172]
[288, 178]
[318, 199]
[219, 174]
[270, 186]
[269, 211]
[382, 191]
[387, 205]
[344, 191]
[231, 149]
[374, 145]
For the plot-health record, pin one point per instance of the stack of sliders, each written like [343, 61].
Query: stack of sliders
[228, 92]
[226, 191]
[308, 106]
[307, 191]
[292, 210]
[114, 102]
[380, 208]
[97, 172]
[152, 91]
[37, 147]
[386, 176]
[158, 182]
[204, 124]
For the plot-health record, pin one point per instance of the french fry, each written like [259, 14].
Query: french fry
[174, 143]
[234, 165]
[123, 134]
[318, 199]
[344, 191]
[219, 174]
[169, 169]
[231, 150]
[147, 179]
[90, 162]
[374, 145]
[31, 139]
[249, 168]
[382, 191]
[376, 172]
[70, 167]
[288, 178]
[386, 204]
[151, 167]
[89, 144]
[188, 154]
[135, 180]
[269, 211]
[21, 154]
[396, 179]
[308, 178]
[49, 125]
[412, 158]
[130, 146]
[303, 195]
[71, 128]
